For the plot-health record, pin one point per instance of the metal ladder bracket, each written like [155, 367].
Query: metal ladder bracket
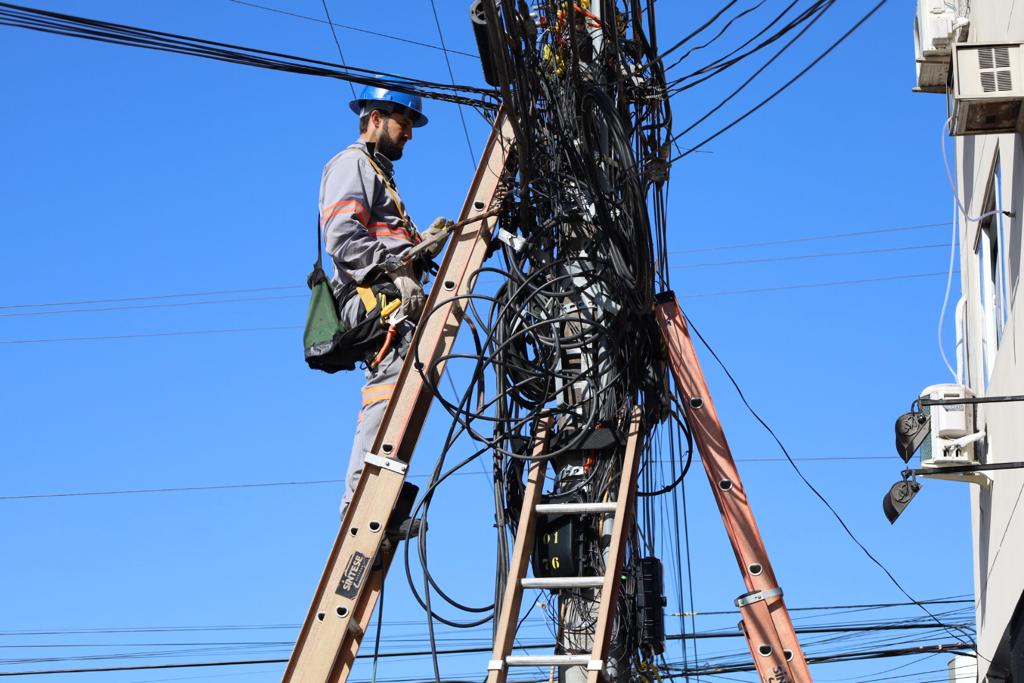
[758, 596]
[390, 464]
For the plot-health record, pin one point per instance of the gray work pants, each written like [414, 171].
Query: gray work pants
[380, 383]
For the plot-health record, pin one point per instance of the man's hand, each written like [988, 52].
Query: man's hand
[436, 235]
[410, 289]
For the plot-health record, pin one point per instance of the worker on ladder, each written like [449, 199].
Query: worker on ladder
[368, 233]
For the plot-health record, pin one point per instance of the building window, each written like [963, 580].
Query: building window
[994, 286]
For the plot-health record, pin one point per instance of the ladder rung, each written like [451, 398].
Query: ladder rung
[547, 660]
[556, 582]
[574, 508]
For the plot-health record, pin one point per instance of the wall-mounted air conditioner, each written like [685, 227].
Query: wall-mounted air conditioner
[953, 434]
[935, 30]
[988, 88]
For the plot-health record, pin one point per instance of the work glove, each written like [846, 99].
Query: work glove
[409, 289]
[439, 230]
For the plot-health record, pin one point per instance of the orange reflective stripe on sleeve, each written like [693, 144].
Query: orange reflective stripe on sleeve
[385, 230]
[347, 206]
[381, 392]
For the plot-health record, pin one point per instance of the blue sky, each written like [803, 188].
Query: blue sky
[137, 174]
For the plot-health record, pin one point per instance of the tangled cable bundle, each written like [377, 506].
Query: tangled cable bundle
[562, 323]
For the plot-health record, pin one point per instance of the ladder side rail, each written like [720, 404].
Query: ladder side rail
[773, 643]
[511, 602]
[626, 506]
[323, 640]
[444, 310]
[363, 614]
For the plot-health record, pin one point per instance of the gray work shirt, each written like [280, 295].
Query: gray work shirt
[365, 226]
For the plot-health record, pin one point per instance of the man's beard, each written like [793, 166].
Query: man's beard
[387, 145]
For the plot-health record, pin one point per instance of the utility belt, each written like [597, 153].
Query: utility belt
[332, 344]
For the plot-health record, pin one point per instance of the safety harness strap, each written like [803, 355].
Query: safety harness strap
[389, 187]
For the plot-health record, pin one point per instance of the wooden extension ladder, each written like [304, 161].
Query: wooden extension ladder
[622, 508]
[351, 582]
[766, 623]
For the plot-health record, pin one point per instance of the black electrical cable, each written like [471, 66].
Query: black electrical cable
[451, 75]
[720, 33]
[568, 334]
[388, 36]
[809, 24]
[785, 85]
[814, 490]
[738, 55]
[337, 43]
[697, 31]
[34, 19]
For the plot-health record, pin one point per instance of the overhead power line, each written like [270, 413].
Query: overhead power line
[813, 285]
[694, 250]
[945, 600]
[451, 75]
[337, 43]
[857, 606]
[804, 257]
[785, 85]
[152, 297]
[697, 295]
[811, 238]
[349, 27]
[835, 513]
[807, 15]
[185, 304]
[316, 482]
[135, 307]
[149, 335]
[174, 489]
[812, 21]
[861, 655]
[671, 673]
[56, 23]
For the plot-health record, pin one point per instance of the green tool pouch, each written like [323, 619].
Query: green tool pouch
[330, 344]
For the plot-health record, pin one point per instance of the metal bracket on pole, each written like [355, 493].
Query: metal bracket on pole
[972, 400]
[972, 474]
[964, 469]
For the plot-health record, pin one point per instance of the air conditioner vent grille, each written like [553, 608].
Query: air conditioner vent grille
[1002, 57]
[989, 60]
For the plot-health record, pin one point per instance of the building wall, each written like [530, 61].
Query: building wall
[992, 358]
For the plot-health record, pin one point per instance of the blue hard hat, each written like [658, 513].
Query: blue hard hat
[390, 100]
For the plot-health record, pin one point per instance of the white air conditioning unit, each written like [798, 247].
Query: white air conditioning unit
[935, 30]
[988, 88]
[953, 434]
